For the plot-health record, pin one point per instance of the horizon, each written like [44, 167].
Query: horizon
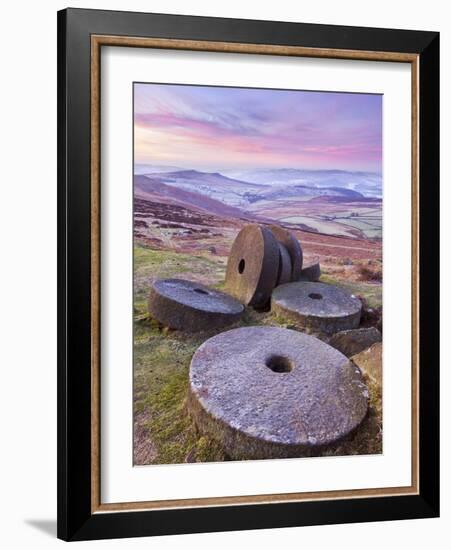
[216, 129]
[222, 170]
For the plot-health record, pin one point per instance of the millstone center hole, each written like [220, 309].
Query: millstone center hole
[241, 266]
[279, 363]
[200, 291]
[315, 296]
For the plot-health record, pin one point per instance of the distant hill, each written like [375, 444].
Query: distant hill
[242, 194]
[153, 187]
[329, 209]
[214, 185]
[368, 184]
[348, 199]
[284, 191]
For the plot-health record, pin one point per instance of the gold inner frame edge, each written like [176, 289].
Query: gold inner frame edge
[97, 41]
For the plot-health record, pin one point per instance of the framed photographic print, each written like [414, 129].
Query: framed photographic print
[248, 274]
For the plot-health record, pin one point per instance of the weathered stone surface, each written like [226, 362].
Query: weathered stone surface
[370, 362]
[253, 266]
[284, 275]
[371, 316]
[351, 342]
[317, 306]
[266, 392]
[185, 305]
[289, 241]
[311, 272]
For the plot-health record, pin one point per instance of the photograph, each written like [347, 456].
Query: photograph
[257, 273]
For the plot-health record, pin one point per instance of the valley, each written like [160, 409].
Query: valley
[320, 207]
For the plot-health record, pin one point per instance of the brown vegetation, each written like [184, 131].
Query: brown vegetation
[368, 273]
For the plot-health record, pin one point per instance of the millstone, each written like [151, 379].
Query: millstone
[311, 272]
[188, 306]
[284, 275]
[268, 392]
[253, 265]
[351, 342]
[290, 242]
[317, 306]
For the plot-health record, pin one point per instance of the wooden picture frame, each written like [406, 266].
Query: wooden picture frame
[81, 35]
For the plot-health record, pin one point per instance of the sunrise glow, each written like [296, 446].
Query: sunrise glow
[213, 128]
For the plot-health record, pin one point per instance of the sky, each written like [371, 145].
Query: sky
[213, 128]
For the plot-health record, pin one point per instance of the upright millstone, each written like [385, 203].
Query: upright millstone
[289, 241]
[253, 266]
[317, 307]
[270, 392]
[284, 274]
[185, 305]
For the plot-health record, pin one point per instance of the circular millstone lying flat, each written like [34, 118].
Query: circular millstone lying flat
[268, 392]
[189, 306]
[253, 265]
[284, 274]
[290, 242]
[317, 306]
